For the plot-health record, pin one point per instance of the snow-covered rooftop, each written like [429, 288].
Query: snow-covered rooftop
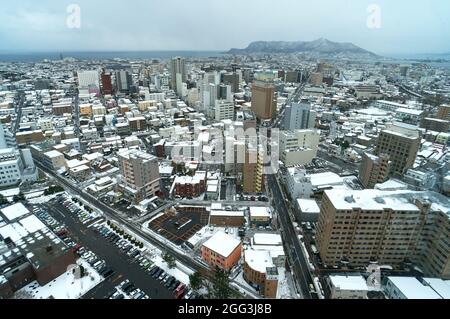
[32, 224]
[15, 211]
[440, 286]
[412, 288]
[327, 178]
[371, 200]
[222, 244]
[267, 239]
[349, 283]
[258, 260]
[260, 212]
[308, 206]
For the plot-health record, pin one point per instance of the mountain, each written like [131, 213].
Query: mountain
[322, 46]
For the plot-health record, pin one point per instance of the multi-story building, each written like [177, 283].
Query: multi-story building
[7, 139]
[139, 174]
[436, 125]
[222, 250]
[444, 112]
[137, 124]
[190, 186]
[29, 137]
[224, 110]
[87, 79]
[124, 80]
[298, 183]
[178, 74]
[232, 79]
[374, 169]
[298, 147]
[16, 166]
[253, 169]
[389, 227]
[107, 87]
[299, 116]
[401, 143]
[264, 102]
[260, 271]
[54, 160]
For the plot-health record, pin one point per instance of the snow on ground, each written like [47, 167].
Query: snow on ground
[34, 195]
[63, 287]
[42, 199]
[240, 281]
[181, 275]
[10, 192]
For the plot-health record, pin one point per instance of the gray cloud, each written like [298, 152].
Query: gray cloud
[219, 25]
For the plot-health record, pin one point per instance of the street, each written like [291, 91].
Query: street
[299, 266]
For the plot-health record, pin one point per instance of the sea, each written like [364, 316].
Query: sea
[131, 55]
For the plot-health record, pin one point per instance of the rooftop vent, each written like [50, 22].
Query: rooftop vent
[350, 199]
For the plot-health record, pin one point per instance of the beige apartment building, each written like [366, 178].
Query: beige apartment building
[253, 169]
[264, 101]
[390, 227]
[139, 174]
[374, 169]
[401, 142]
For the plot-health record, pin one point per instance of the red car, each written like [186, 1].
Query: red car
[76, 248]
[179, 292]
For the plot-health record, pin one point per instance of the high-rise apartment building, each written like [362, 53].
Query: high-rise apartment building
[356, 228]
[124, 81]
[299, 116]
[140, 174]
[88, 79]
[253, 168]
[264, 101]
[232, 79]
[374, 169]
[401, 143]
[107, 87]
[178, 74]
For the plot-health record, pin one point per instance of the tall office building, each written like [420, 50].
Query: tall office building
[16, 166]
[401, 143]
[124, 80]
[107, 87]
[224, 92]
[300, 116]
[356, 228]
[253, 169]
[374, 169]
[178, 74]
[7, 139]
[139, 174]
[264, 101]
[233, 80]
[87, 79]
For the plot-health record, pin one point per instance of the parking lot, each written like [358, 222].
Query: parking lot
[122, 265]
[180, 226]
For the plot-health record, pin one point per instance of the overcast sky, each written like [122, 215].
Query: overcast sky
[117, 25]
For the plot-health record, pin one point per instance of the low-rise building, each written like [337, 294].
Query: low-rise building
[347, 287]
[222, 250]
